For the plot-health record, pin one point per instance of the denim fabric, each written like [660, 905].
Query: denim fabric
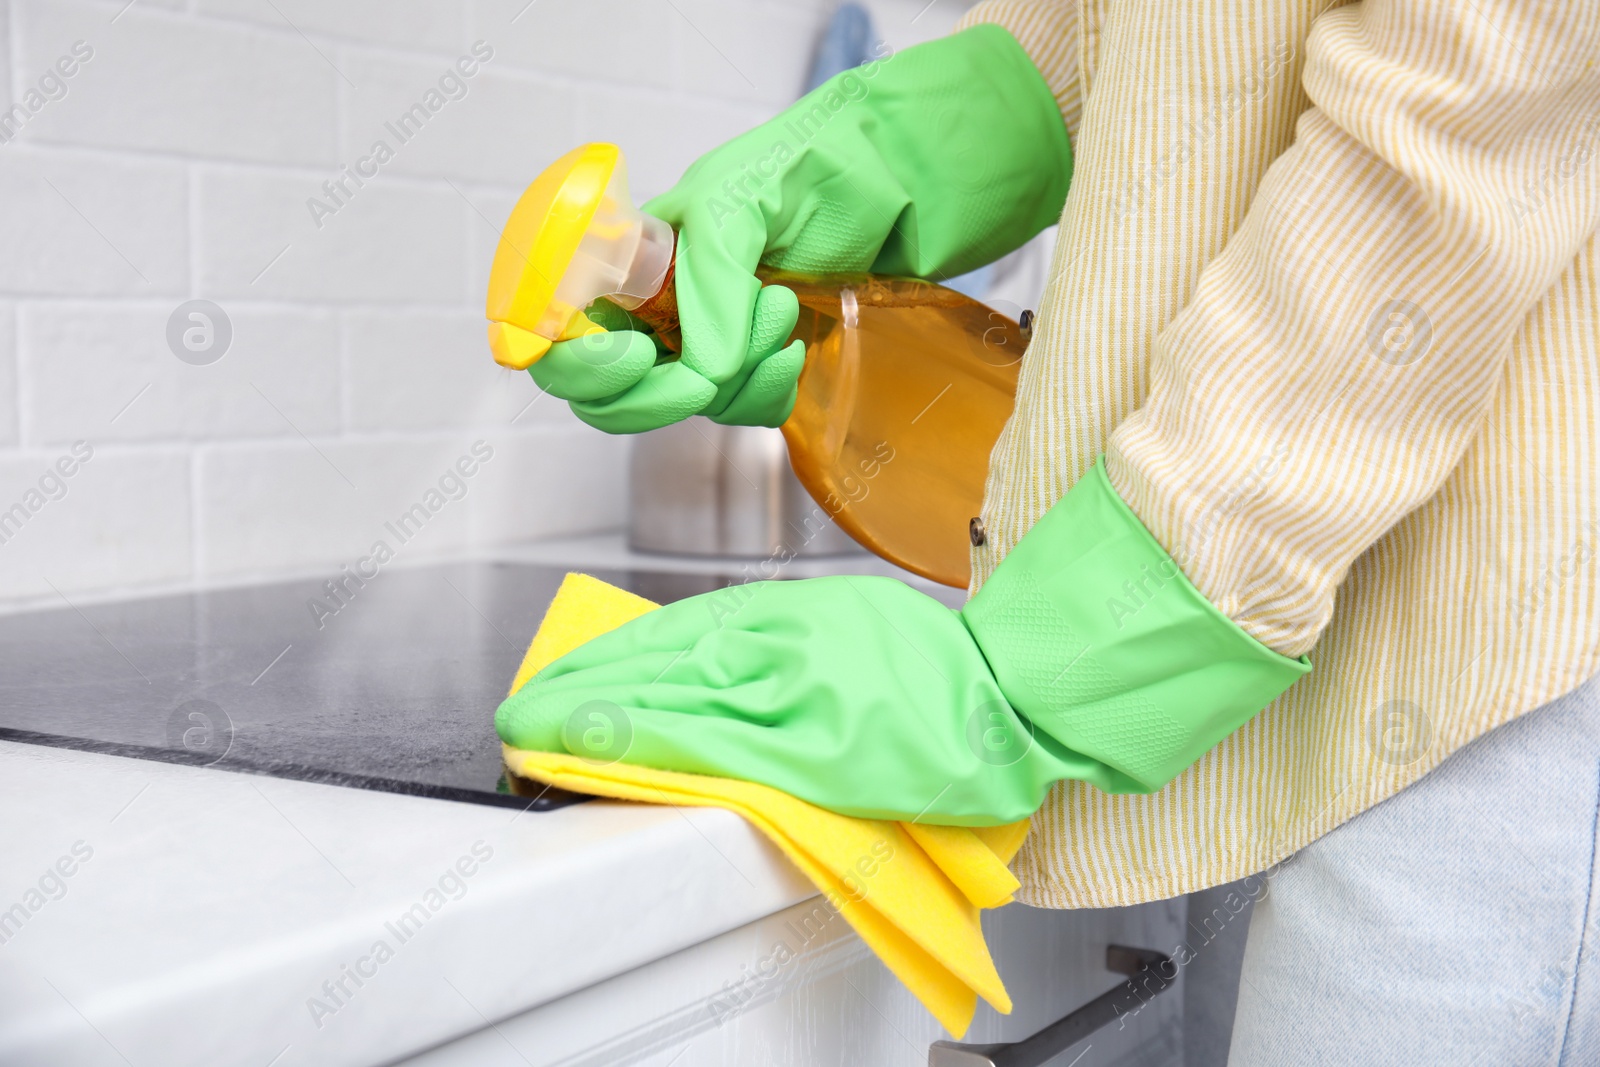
[1455, 923]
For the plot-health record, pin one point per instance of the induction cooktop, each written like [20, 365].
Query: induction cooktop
[389, 684]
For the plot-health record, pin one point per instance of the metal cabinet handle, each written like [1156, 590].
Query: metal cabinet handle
[1149, 972]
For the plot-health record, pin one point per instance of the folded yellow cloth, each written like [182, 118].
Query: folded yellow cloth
[913, 892]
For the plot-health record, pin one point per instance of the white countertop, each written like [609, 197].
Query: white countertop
[212, 908]
[217, 914]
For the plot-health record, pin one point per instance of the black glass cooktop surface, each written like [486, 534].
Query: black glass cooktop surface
[390, 685]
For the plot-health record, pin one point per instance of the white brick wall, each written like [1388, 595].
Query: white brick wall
[178, 164]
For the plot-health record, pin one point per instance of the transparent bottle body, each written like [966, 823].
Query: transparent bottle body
[905, 389]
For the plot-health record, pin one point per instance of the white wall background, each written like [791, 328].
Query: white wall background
[176, 163]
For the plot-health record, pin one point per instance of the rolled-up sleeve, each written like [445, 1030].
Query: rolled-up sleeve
[1338, 357]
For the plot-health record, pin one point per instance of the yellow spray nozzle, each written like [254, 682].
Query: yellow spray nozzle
[573, 237]
[536, 247]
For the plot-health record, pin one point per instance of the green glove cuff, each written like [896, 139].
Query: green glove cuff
[1097, 637]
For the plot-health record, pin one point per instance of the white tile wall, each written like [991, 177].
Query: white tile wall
[427, 25]
[482, 134]
[105, 373]
[742, 51]
[561, 38]
[76, 224]
[8, 376]
[164, 82]
[398, 380]
[5, 55]
[284, 506]
[122, 523]
[177, 161]
[394, 241]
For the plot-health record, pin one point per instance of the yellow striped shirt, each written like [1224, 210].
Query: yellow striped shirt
[1327, 296]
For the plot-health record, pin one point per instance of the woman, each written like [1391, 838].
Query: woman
[1326, 301]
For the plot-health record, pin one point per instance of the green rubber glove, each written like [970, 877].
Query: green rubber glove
[1087, 655]
[626, 381]
[928, 163]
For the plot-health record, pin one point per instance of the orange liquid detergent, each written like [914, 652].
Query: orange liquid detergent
[905, 389]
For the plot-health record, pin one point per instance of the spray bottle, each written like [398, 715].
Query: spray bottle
[906, 384]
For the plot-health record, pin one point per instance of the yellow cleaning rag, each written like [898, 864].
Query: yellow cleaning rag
[913, 892]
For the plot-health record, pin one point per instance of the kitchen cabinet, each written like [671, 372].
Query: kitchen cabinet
[722, 1003]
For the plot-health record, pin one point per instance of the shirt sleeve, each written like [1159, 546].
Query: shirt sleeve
[1339, 355]
[1048, 32]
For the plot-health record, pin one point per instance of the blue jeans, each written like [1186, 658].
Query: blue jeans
[1454, 923]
